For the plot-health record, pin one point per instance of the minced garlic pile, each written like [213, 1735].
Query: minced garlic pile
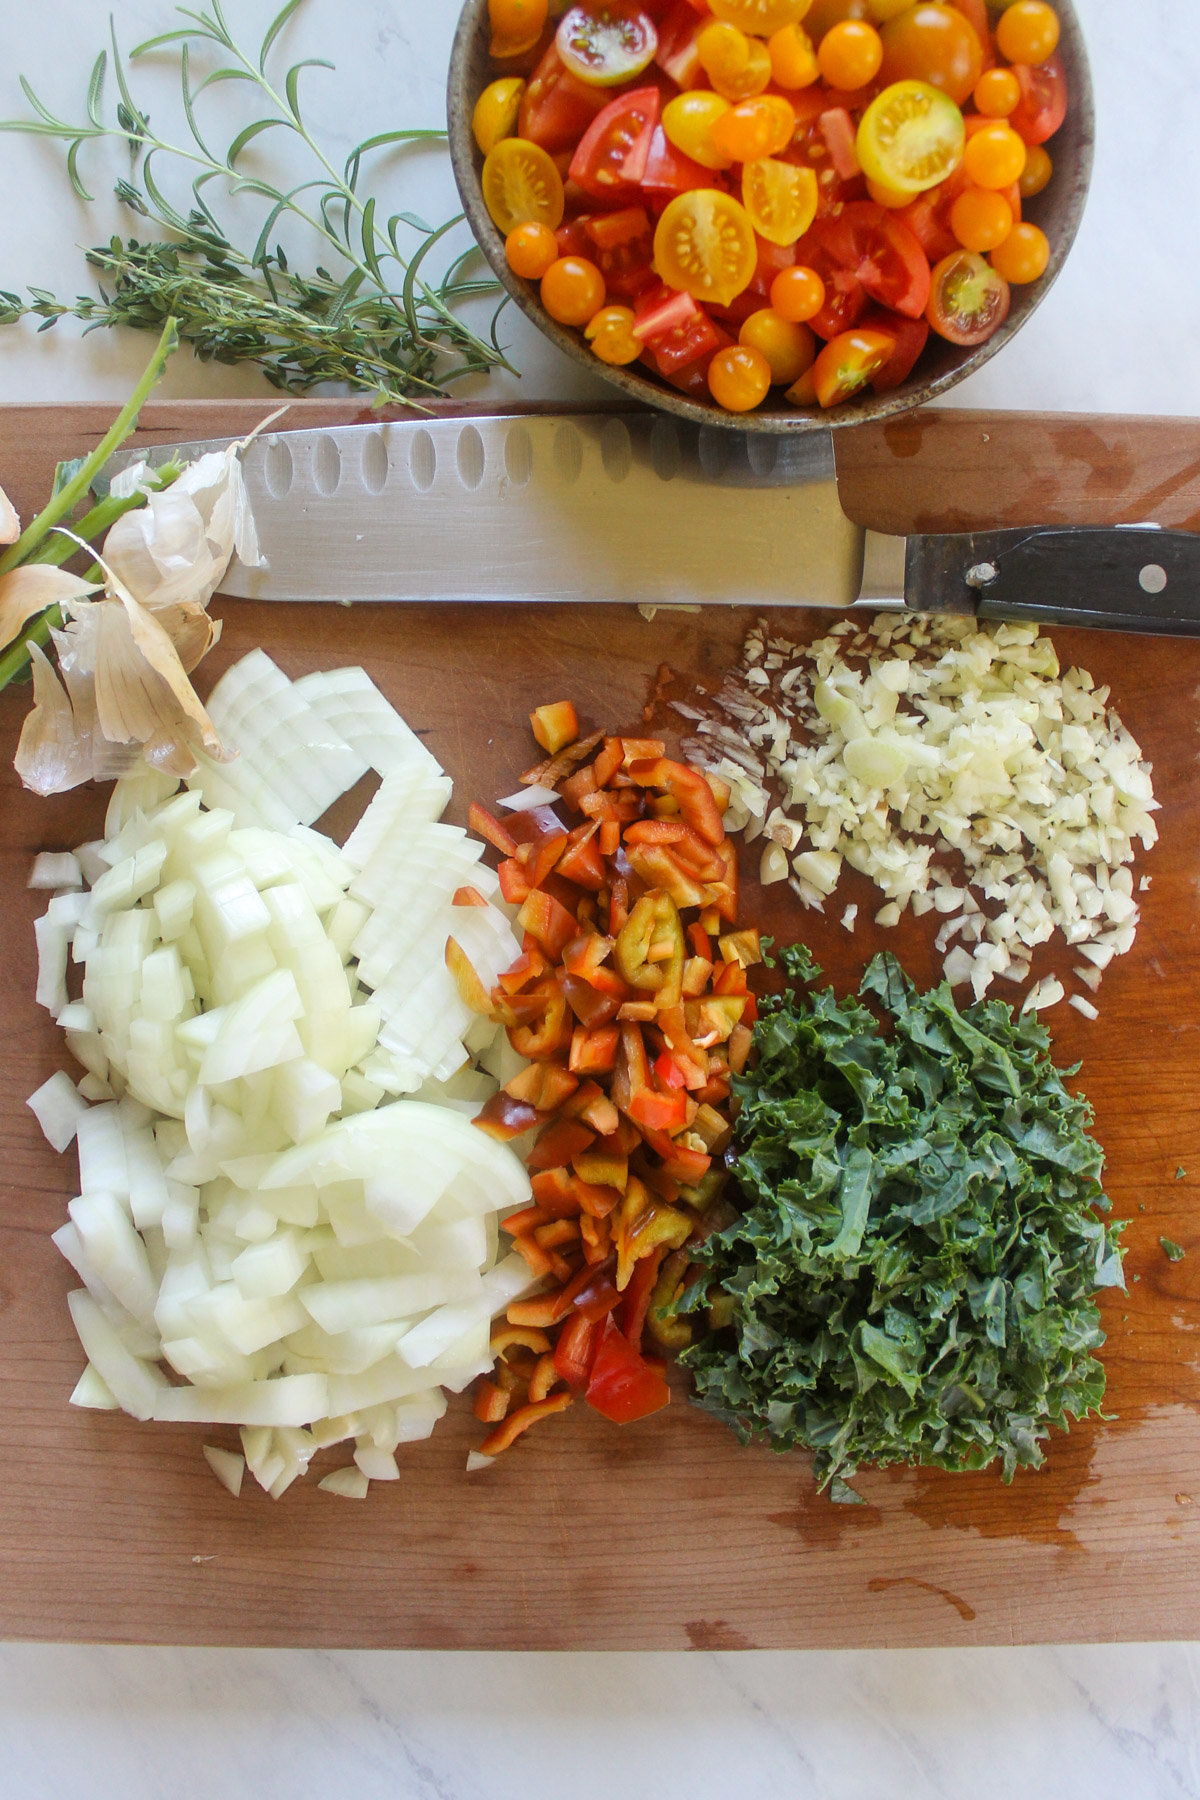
[917, 736]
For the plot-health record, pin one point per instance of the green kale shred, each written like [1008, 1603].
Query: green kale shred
[1171, 1250]
[914, 1274]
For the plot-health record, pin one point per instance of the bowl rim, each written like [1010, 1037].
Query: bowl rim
[643, 387]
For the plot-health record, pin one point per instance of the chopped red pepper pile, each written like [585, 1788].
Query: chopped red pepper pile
[631, 1002]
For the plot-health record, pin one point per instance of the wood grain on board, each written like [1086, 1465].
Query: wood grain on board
[669, 1533]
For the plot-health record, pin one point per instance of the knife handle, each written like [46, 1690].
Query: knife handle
[1115, 577]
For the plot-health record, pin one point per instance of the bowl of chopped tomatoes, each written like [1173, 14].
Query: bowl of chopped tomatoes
[780, 214]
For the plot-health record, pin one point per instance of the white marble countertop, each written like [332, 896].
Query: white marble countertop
[1117, 334]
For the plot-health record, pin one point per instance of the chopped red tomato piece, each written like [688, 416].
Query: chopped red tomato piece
[623, 1386]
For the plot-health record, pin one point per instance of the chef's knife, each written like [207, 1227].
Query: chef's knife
[644, 508]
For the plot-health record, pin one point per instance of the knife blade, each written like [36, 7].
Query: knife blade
[638, 507]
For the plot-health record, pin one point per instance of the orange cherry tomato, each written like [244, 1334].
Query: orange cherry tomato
[788, 347]
[997, 93]
[516, 25]
[739, 378]
[754, 128]
[850, 55]
[994, 156]
[572, 290]
[848, 362]
[798, 294]
[704, 245]
[1027, 32]
[610, 333]
[980, 219]
[936, 44]
[530, 249]
[1037, 171]
[689, 120]
[793, 59]
[1023, 255]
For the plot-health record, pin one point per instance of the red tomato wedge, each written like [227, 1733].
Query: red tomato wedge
[675, 327]
[1043, 104]
[882, 254]
[557, 108]
[910, 335]
[619, 137]
[668, 171]
[621, 244]
[622, 1385]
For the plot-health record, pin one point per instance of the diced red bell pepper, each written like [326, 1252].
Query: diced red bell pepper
[491, 1402]
[682, 1164]
[554, 725]
[697, 803]
[586, 953]
[623, 1386]
[484, 825]
[668, 1072]
[503, 1117]
[594, 1052]
[558, 1143]
[591, 1292]
[658, 868]
[622, 1140]
[554, 1191]
[545, 1085]
[575, 1350]
[595, 1201]
[730, 978]
[578, 785]
[531, 965]
[507, 1433]
[467, 896]
[548, 921]
[548, 1031]
[590, 1005]
[581, 860]
[514, 884]
[658, 1112]
[608, 761]
[635, 1303]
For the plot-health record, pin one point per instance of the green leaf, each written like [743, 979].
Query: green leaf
[248, 134]
[292, 80]
[73, 174]
[96, 90]
[273, 30]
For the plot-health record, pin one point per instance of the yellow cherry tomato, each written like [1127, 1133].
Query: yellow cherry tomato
[910, 137]
[997, 93]
[850, 55]
[788, 347]
[760, 17]
[1027, 32]
[723, 50]
[704, 244]
[793, 59]
[530, 249]
[496, 111]
[882, 10]
[797, 294]
[1037, 171]
[573, 290]
[980, 219]
[753, 79]
[755, 128]
[610, 333]
[994, 156]
[521, 186]
[892, 198]
[1023, 255]
[781, 198]
[804, 391]
[739, 378]
[688, 122]
[516, 25]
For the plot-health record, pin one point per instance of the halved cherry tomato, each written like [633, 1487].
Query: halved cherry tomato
[610, 158]
[607, 42]
[793, 59]
[911, 337]
[623, 1386]
[610, 333]
[1043, 100]
[910, 137]
[1036, 173]
[496, 111]
[877, 248]
[754, 128]
[521, 186]
[936, 44]
[516, 25]
[704, 245]
[780, 197]
[848, 362]
[557, 109]
[688, 121]
[968, 300]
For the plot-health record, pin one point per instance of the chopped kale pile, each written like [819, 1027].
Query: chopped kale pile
[913, 1278]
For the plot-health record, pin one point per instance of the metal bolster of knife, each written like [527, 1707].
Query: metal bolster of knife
[1135, 578]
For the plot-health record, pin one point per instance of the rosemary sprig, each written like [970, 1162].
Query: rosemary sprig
[379, 324]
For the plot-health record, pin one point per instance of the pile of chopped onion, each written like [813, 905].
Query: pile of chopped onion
[918, 736]
[286, 1220]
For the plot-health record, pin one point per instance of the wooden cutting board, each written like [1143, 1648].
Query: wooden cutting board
[666, 1534]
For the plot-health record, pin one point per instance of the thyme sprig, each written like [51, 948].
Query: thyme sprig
[378, 324]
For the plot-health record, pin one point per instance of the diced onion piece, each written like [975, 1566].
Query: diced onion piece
[55, 869]
[1084, 1006]
[848, 918]
[376, 1464]
[476, 1460]
[227, 1466]
[92, 1390]
[58, 1108]
[774, 865]
[349, 1482]
[526, 798]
